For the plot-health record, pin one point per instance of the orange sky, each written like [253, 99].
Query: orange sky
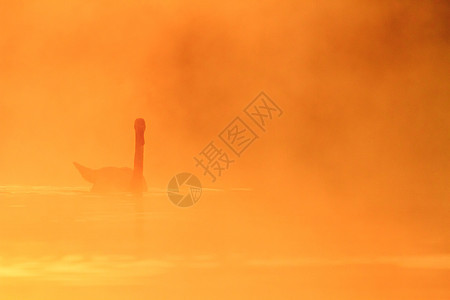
[363, 84]
[358, 164]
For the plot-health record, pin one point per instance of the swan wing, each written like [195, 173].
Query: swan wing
[87, 173]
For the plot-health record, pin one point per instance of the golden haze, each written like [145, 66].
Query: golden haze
[355, 173]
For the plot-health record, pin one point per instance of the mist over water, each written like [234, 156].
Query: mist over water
[355, 172]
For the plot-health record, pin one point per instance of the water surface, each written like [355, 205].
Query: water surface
[66, 243]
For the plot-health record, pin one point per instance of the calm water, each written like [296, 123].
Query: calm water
[65, 243]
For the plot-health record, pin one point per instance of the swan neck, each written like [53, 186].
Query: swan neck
[137, 184]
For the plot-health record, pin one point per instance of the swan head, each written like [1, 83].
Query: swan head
[139, 124]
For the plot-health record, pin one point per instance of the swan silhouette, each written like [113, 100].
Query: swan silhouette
[113, 179]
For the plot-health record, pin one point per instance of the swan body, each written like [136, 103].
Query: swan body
[112, 179]
[109, 179]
